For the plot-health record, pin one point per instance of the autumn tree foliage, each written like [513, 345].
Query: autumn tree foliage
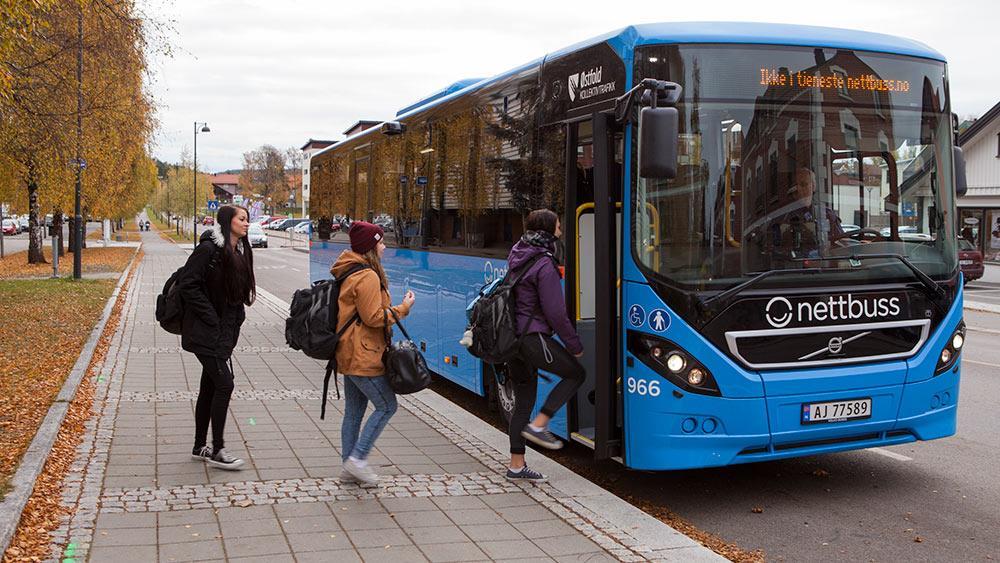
[264, 175]
[39, 136]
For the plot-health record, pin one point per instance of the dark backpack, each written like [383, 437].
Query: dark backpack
[312, 324]
[170, 304]
[493, 323]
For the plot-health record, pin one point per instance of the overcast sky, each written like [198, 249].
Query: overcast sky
[282, 72]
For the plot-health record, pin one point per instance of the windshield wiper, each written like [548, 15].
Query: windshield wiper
[727, 297]
[931, 285]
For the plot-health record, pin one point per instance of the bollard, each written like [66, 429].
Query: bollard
[55, 257]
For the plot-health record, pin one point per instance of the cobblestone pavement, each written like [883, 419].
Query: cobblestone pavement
[138, 496]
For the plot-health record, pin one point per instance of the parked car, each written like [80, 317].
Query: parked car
[256, 235]
[908, 233]
[290, 223]
[970, 260]
[262, 220]
[9, 227]
[275, 224]
[304, 227]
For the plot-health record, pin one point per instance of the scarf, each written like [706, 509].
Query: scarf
[541, 239]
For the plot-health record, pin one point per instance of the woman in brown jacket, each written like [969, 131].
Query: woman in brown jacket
[364, 303]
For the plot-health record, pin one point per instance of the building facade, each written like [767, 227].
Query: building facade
[979, 209]
[308, 149]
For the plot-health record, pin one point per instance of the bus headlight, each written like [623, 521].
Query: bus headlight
[672, 362]
[675, 362]
[696, 377]
[950, 353]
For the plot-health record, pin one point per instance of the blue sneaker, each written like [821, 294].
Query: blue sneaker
[542, 438]
[526, 474]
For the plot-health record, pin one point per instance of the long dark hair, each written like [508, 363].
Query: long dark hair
[237, 266]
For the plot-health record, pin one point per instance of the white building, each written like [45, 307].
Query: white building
[979, 209]
[308, 150]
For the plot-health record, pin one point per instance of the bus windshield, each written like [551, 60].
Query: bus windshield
[797, 158]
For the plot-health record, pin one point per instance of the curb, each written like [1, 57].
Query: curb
[33, 461]
[651, 533]
[979, 306]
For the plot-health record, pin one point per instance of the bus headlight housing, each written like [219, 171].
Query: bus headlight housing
[672, 362]
[950, 353]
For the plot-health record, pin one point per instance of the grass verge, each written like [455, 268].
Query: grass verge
[167, 231]
[46, 323]
[44, 511]
[95, 260]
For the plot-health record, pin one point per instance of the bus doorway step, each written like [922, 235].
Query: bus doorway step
[585, 436]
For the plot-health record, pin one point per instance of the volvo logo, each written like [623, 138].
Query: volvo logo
[778, 312]
[836, 345]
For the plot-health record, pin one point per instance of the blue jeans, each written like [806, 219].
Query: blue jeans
[358, 390]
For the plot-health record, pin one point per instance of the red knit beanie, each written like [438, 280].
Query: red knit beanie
[364, 236]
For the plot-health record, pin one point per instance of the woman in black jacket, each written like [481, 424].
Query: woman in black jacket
[216, 283]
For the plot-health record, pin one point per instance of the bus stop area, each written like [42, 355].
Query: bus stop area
[135, 494]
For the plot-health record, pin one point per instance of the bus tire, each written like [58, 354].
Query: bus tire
[501, 392]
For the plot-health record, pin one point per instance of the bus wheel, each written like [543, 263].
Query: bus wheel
[503, 392]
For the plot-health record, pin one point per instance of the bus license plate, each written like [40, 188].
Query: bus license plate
[965, 262]
[836, 411]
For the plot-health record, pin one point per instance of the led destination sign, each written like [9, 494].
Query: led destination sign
[832, 81]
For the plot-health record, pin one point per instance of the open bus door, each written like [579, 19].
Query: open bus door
[593, 235]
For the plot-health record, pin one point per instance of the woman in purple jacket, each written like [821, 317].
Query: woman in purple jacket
[540, 310]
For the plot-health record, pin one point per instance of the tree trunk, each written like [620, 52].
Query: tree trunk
[35, 255]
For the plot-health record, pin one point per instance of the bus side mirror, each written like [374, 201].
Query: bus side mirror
[658, 142]
[961, 184]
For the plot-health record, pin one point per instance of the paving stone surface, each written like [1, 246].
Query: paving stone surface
[135, 494]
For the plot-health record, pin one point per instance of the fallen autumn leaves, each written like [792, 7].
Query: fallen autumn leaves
[51, 320]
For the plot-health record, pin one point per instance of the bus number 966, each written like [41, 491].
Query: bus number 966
[643, 387]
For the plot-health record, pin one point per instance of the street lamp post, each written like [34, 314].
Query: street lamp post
[204, 129]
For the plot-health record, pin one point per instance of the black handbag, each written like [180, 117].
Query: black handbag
[405, 366]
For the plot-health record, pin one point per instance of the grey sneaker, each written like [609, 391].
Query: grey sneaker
[526, 474]
[222, 460]
[542, 438]
[346, 477]
[364, 475]
[202, 454]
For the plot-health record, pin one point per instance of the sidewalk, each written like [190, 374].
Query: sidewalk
[139, 497]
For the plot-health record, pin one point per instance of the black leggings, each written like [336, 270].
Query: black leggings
[540, 352]
[213, 401]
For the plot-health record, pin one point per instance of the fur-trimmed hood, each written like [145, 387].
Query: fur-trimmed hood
[213, 233]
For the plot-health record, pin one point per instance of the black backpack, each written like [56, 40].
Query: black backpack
[312, 324]
[170, 304]
[492, 321]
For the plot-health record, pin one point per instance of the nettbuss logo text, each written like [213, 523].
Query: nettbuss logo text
[779, 311]
[587, 84]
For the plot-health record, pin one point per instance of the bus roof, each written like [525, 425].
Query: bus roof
[696, 32]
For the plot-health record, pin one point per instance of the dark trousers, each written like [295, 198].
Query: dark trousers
[540, 352]
[213, 401]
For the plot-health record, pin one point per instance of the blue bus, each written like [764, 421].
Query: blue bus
[760, 236]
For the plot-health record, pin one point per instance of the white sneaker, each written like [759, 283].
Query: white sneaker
[222, 460]
[365, 475]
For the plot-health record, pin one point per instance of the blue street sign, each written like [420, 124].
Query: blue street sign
[213, 205]
[421, 180]
[909, 209]
[403, 179]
